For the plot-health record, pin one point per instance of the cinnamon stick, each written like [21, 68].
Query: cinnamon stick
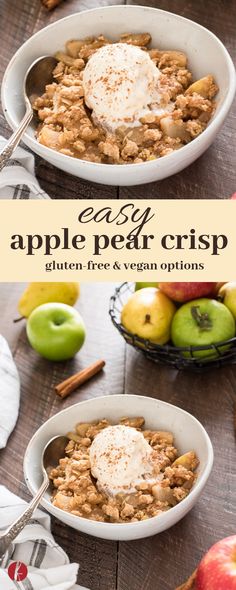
[50, 4]
[190, 584]
[66, 387]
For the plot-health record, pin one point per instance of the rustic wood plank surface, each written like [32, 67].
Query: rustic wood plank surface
[38, 402]
[168, 559]
[18, 21]
[163, 561]
[212, 176]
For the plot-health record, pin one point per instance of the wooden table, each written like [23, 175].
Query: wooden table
[164, 561]
[212, 176]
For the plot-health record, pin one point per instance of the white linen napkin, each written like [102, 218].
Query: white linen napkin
[48, 565]
[17, 179]
[9, 393]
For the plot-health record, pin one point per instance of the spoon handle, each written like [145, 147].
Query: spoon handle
[14, 140]
[14, 529]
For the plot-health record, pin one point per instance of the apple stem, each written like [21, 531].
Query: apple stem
[202, 319]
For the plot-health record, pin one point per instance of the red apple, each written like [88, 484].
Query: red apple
[217, 570]
[182, 292]
[233, 196]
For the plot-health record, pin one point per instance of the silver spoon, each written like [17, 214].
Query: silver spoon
[53, 451]
[38, 75]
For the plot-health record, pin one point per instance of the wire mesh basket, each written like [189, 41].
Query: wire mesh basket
[180, 358]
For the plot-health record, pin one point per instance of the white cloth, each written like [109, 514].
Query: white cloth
[17, 179]
[9, 393]
[48, 565]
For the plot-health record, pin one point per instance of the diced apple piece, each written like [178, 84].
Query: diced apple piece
[205, 87]
[174, 128]
[49, 137]
[136, 135]
[82, 428]
[73, 436]
[133, 422]
[64, 502]
[174, 56]
[188, 460]
[139, 39]
[73, 48]
[163, 494]
[66, 59]
[162, 436]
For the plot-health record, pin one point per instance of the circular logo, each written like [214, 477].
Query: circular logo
[17, 571]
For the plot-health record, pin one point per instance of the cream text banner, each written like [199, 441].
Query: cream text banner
[140, 240]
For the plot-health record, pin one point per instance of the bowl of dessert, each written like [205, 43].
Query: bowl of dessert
[137, 94]
[132, 468]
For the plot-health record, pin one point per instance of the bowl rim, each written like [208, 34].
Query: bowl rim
[175, 510]
[213, 124]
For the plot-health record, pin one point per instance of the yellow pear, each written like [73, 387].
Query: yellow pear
[227, 294]
[38, 293]
[148, 313]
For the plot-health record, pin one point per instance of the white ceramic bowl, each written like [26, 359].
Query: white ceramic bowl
[206, 53]
[189, 435]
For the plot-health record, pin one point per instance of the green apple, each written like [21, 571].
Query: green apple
[202, 322]
[56, 331]
[148, 313]
[227, 294]
[144, 285]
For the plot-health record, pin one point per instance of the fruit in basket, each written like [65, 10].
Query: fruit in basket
[144, 285]
[202, 322]
[217, 288]
[182, 292]
[148, 314]
[217, 570]
[56, 331]
[227, 294]
[36, 294]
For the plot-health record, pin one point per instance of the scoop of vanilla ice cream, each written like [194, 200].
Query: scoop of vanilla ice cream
[120, 82]
[120, 459]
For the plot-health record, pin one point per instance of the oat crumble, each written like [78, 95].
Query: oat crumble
[66, 124]
[75, 489]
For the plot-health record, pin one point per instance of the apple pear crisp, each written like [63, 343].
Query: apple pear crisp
[122, 102]
[121, 473]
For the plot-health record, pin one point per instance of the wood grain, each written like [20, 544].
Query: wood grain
[18, 21]
[166, 560]
[212, 176]
[39, 401]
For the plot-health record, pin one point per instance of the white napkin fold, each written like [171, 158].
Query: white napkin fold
[17, 179]
[48, 565]
[9, 393]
